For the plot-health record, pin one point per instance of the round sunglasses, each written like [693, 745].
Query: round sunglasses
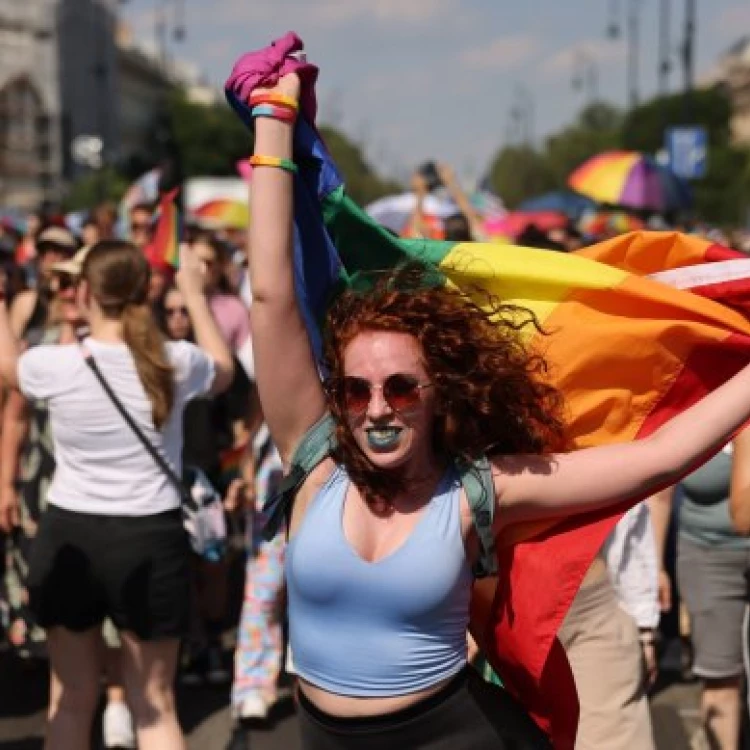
[401, 392]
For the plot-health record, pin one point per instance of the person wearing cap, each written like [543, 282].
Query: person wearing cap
[29, 311]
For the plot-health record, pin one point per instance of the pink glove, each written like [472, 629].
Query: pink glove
[266, 66]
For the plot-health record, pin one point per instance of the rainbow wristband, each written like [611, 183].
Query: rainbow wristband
[275, 112]
[281, 100]
[273, 161]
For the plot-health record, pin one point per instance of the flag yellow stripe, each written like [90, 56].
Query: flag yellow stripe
[535, 279]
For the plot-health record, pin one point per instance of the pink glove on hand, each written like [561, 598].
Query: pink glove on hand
[264, 68]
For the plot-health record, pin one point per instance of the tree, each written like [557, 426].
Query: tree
[106, 184]
[362, 183]
[723, 194]
[597, 129]
[520, 172]
[210, 140]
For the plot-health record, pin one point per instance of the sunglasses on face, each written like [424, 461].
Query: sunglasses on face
[401, 392]
[140, 227]
[64, 281]
[172, 311]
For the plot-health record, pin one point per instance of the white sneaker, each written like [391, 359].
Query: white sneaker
[252, 707]
[117, 726]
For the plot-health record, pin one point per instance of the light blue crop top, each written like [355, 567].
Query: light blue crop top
[392, 627]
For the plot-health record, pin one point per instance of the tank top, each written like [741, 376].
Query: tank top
[392, 627]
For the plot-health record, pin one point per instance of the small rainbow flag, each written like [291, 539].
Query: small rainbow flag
[164, 249]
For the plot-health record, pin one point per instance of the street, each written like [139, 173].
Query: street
[204, 713]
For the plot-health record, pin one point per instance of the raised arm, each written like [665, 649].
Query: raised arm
[563, 484]
[290, 390]
[453, 186]
[190, 280]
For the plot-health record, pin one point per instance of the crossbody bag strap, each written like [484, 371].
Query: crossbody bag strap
[157, 457]
[318, 443]
[476, 479]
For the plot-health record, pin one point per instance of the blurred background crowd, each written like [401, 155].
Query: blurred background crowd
[95, 129]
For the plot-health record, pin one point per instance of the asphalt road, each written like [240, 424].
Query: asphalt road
[204, 713]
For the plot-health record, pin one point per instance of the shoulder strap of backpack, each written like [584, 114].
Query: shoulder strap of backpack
[476, 479]
[316, 445]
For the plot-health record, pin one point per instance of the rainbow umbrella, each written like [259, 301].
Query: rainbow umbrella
[632, 179]
[608, 223]
[222, 213]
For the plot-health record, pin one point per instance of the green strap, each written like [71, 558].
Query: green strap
[316, 445]
[476, 479]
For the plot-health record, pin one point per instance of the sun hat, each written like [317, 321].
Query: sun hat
[74, 265]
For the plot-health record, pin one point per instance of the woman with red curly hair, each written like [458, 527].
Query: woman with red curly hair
[427, 398]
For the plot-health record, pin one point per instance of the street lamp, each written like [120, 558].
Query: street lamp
[688, 50]
[585, 75]
[665, 61]
[521, 117]
[613, 27]
[633, 41]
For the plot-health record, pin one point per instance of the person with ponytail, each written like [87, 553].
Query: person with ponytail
[112, 543]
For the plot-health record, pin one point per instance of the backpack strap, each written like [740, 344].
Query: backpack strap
[476, 479]
[316, 445]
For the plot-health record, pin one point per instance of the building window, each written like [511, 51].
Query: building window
[24, 131]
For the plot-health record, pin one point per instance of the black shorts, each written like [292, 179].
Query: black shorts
[135, 570]
[467, 714]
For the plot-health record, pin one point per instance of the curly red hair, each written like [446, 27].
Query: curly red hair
[491, 393]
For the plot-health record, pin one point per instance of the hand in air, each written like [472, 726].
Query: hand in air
[419, 185]
[191, 278]
[445, 173]
[288, 85]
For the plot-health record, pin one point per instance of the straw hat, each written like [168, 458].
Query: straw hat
[74, 265]
[58, 237]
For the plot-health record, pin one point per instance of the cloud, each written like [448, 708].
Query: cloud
[327, 14]
[501, 54]
[408, 82]
[599, 51]
[733, 19]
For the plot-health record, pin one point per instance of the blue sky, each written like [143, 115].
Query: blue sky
[419, 79]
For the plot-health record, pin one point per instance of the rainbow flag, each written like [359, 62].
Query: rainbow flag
[627, 351]
[164, 250]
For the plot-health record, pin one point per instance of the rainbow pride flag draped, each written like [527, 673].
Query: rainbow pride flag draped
[627, 351]
[164, 249]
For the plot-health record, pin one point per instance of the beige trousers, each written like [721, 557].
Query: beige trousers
[601, 641]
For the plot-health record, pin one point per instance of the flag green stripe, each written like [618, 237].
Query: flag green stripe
[363, 245]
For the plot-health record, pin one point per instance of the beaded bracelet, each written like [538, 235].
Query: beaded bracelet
[282, 100]
[273, 161]
[275, 112]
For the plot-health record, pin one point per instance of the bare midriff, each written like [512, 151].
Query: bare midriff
[345, 706]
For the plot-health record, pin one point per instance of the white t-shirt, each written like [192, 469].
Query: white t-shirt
[102, 467]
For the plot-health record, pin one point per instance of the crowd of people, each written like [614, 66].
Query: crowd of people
[55, 452]
[99, 576]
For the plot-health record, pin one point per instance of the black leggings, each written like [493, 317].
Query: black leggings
[467, 714]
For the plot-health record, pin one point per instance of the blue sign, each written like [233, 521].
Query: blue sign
[687, 148]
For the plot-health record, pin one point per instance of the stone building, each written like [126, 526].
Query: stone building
[733, 71]
[30, 138]
[67, 69]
